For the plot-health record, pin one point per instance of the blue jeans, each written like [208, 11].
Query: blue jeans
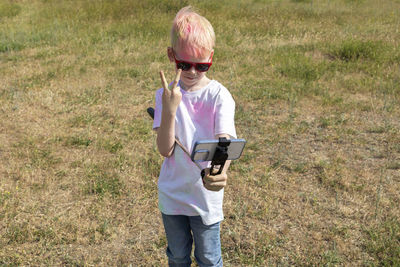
[181, 231]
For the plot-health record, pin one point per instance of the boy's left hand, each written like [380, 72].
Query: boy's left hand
[171, 97]
[214, 182]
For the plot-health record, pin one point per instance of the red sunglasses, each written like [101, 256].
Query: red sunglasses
[186, 65]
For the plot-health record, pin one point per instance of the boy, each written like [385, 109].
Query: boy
[195, 108]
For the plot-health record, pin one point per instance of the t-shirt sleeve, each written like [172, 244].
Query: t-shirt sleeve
[158, 109]
[225, 114]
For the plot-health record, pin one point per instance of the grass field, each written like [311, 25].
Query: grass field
[317, 88]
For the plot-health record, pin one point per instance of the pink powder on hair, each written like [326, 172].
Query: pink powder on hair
[192, 33]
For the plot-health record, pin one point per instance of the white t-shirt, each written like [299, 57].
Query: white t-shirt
[201, 115]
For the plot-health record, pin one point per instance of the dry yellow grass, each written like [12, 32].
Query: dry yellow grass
[316, 87]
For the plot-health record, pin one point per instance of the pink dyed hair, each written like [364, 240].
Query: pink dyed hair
[192, 33]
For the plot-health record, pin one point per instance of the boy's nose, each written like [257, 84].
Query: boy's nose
[192, 70]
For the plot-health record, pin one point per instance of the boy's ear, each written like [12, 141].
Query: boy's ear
[170, 53]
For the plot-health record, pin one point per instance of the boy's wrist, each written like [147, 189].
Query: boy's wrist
[169, 113]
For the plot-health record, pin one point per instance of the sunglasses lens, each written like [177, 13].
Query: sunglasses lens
[202, 67]
[183, 66]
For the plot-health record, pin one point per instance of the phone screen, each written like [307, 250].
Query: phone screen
[205, 150]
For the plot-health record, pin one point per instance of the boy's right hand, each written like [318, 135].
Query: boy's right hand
[214, 182]
[171, 98]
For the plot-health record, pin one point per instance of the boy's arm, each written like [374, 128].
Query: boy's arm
[217, 182]
[166, 135]
[170, 102]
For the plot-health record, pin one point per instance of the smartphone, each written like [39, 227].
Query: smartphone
[204, 150]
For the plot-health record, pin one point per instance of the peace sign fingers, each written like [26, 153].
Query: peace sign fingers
[164, 81]
[176, 81]
[171, 98]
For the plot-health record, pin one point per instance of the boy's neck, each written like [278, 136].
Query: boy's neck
[201, 84]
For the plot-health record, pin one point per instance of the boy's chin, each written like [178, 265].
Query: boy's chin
[190, 82]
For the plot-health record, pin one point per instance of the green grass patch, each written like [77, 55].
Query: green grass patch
[301, 1]
[10, 45]
[82, 120]
[9, 9]
[44, 234]
[111, 145]
[294, 64]
[37, 80]
[91, 96]
[35, 156]
[377, 130]
[393, 165]
[99, 181]
[128, 72]
[4, 196]
[26, 37]
[139, 129]
[77, 141]
[330, 174]
[149, 165]
[353, 50]
[383, 242]
[331, 258]
[18, 233]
